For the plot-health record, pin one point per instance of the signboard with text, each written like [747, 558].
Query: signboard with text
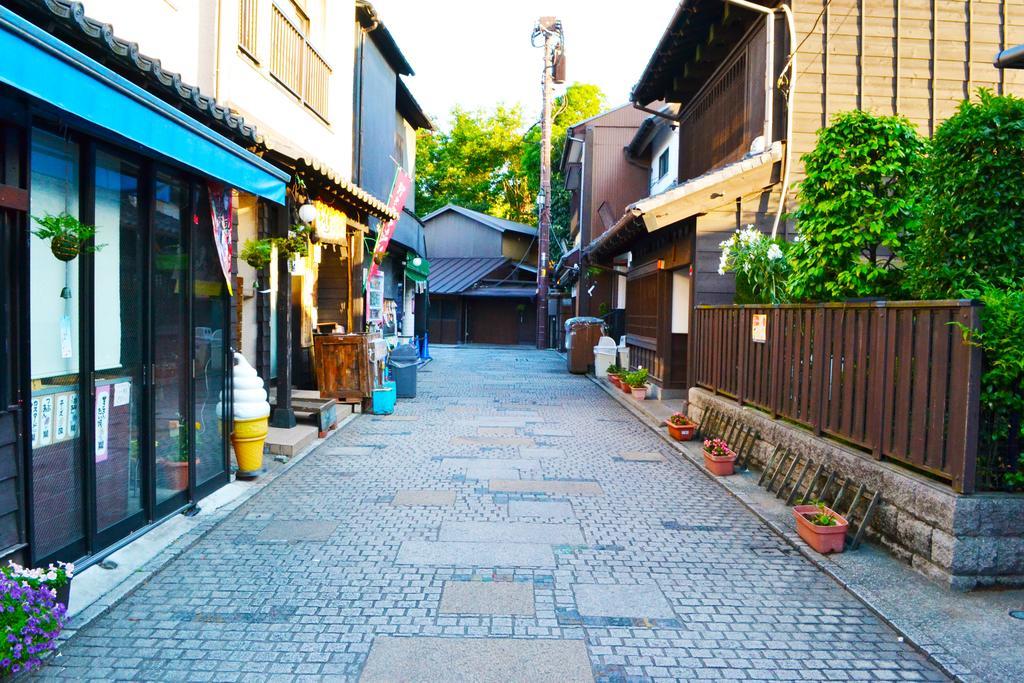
[759, 328]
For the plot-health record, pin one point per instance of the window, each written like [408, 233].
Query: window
[293, 60]
[247, 22]
[663, 165]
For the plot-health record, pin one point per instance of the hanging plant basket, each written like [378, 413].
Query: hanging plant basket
[67, 235]
[257, 253]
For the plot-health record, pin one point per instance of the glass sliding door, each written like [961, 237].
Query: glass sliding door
[118, 348]
[171, 363]
[57, 510]
[210, 316]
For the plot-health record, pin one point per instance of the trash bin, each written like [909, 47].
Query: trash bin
[581, 336]
[404, 363]
[623, 353]
[604, 355]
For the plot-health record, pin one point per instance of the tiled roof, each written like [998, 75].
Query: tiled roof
[68, 22]
[455, 275]
[346, 188]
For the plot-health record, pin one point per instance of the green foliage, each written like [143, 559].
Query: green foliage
[973, 230]
[823, 517]
[680, 420]
[476, 164]
[636, 379]
[859, 204]
[760, 264]
[614, 369]
[257, 253]
[66, 233]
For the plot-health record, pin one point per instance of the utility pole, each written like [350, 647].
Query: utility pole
[550, 29]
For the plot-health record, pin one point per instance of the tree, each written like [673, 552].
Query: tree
[859, 205]
[579, 101]
[476, 164]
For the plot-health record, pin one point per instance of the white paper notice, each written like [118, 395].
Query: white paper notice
[46, 421]
[122, 393]
[35, 421]
[102, 421]
[65, 337]
[60, 418]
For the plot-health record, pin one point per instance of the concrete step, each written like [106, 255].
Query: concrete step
[290, 441]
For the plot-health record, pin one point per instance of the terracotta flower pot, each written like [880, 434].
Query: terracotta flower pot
[175, 474]
[624, 386]
[639, 393]
[719, 465]
[824, 539]
[614, 379]
[681, 432]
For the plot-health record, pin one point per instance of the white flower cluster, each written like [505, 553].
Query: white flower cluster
[16, 571]
[745, 238]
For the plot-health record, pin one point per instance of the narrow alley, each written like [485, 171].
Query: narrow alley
[511, 523]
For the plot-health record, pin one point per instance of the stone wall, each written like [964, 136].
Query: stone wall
[963, 541]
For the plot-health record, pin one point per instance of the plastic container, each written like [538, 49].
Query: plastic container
[384, 399]
[581, 335]
[623, 353]
[404, 364]
[604, 355]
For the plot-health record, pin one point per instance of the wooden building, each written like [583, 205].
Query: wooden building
[483, 278]
[602, 180]
[748, 110]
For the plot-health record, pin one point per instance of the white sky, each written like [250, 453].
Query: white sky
[476, 53]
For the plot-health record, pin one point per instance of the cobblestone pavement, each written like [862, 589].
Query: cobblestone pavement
[511, 523]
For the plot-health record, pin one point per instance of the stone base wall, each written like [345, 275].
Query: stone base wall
[963, 541]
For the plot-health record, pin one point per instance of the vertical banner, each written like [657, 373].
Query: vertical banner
[220, 215]
[399, 193]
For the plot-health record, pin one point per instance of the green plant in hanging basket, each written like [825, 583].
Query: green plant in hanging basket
[67, 235]
[297, 241]
[257, 253]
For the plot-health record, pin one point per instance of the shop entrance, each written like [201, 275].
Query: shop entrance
[127, 361]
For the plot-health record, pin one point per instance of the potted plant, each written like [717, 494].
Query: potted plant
[637, 382]
[613, 373]
[681, 427]
[718, 457]
[30, 617]
[175, 466]
[67, 235]
[57, 577]
[821, 527]
[257, 253]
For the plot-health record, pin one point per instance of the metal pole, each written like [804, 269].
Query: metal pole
[544, 227]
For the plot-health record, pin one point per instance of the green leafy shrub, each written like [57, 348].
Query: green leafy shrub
[973, 230]
[257, 253]
[760, 265]
[636, 379]
[859, 205]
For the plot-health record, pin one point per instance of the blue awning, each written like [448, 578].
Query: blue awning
[42, 66]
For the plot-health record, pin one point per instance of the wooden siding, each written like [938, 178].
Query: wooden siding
[612, 180]
[919, 58]
[450, 235]
[718, 126]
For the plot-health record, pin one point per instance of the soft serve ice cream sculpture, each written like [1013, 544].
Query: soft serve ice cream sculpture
[251, 412]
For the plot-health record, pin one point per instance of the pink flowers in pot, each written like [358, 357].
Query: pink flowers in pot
[719, 459]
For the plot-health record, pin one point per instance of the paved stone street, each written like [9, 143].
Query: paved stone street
[512, 523]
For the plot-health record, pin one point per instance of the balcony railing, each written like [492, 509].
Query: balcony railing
[296, 65]
[247, 25]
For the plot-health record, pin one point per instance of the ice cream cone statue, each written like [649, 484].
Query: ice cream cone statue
[251, 412]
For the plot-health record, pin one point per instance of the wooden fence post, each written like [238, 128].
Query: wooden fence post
[967, 451]
[879, 374]
[818, 378]
[742, 362]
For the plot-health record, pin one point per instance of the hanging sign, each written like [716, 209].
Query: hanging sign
[220, 215]
[399, 193]
[330, 224]
[102, 421]
[65, 337]
[759, 328]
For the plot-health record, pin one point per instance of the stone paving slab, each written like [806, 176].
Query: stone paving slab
[297, 530]
[604, 600]
[642, 456]
[411, 497]
[496, 431]
[540, 453]
[512, 532]
[497, 469]
[479, 660]
[549, 431]
[467, 554]
[350, 450]
[487, 597]
[540, 508]
[551, 487]
[509, 441]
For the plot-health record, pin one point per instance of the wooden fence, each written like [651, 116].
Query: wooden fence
[894, 378]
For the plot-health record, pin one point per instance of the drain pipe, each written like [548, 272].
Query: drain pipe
[769, 14]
